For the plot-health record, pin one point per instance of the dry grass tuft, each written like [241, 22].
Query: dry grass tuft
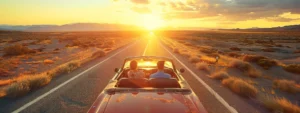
[267, 63]
[39, 81]
[219, 75]
[208, 60]
[240, 87]
[206, 50]
[280, 105]
[48, 61]
[233, 54]
[65, 68]
[253, 73]
[241, 65]
[294, 68]
[17, 50]
[175, 50]
[245, 67]
[202, 66]
[253, 58]
[262, 61]
[18, 89]
[194, 59]
[235, 49]
[286, 85]
[99, 53]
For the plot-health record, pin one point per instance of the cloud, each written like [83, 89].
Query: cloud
[140, 1]
[142, 10]
[235, 10]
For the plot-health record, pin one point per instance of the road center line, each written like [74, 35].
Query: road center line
[146, 49]
[66, 82]
[217, 96]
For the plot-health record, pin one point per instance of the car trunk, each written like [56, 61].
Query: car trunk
[149, 102]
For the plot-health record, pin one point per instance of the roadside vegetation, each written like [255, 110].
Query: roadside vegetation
[28, 63]
[280, 105]
[17, 49]
[257, 57]
[286, 85]
[240, 87]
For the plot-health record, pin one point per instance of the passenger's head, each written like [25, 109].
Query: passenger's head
[160, 65]
[133, 65]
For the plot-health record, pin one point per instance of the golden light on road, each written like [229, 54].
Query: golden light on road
[152, 22]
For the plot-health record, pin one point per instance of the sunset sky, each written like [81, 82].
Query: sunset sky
[153, 13]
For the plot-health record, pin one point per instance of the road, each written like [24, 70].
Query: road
[76, 91]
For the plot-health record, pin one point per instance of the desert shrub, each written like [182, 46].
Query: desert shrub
[233, 54]
[219, 75]
[17, 50]
[235, 49]
[245, 67]
[175, 50]
[253, 73]
[186, 54]
[208, 60]
[294, 68]
[18, 89]
[240, 87]
[38, 81]
[111, 42]
[48, 61]
[286, 85]
[202, 66]
[241, 65]
[65, 68]
[280, 105]
[206, 50]
[194, 59]
[266, 63]
[253, 58]
[99, 53]
[262, 61]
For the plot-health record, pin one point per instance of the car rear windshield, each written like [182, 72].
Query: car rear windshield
[148, 62]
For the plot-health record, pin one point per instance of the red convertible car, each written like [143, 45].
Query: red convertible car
[159, 95]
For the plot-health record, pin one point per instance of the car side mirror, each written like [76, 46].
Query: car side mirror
[116, 70]
[182, 70]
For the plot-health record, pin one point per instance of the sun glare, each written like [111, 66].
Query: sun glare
[152, 22]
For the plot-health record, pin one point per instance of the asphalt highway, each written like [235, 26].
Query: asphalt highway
[76, 91]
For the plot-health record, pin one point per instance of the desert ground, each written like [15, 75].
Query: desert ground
[35, 58]
[263, 67]
[259, 67]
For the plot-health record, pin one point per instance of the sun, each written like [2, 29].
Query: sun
[152, 22]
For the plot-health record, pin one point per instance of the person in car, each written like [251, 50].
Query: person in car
[134, 72]
[160, 71]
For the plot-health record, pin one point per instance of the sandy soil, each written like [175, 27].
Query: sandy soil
[280, 47]
[58, 48]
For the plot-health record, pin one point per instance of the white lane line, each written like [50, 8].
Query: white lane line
[217, 96]
[66, 82]
[146, 49]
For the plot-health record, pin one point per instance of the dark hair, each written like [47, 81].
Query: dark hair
[133, 64]
[160, 65]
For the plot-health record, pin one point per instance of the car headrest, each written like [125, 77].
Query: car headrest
[132, 83]
[164, 83]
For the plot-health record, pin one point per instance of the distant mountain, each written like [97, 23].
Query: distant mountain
[70, 27]
[283, 28]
